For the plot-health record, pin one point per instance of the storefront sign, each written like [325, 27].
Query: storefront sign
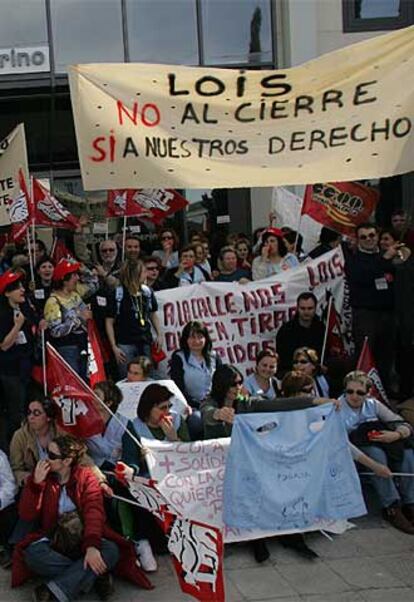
[29, 59]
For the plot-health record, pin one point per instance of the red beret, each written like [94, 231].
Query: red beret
[8, 278]
[65, 266]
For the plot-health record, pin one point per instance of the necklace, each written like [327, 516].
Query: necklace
[138, 307]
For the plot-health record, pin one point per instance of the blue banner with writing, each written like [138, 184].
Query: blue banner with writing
[286, 470]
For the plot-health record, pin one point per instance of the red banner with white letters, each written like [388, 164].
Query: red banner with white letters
[152, 204]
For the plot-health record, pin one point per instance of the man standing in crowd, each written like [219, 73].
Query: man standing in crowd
[304, 330]
[229, 271]
[399, 221]
[370, 275]
[132, 247]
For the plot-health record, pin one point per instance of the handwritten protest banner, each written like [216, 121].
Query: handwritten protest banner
[190, 476]
[132, 392]
[13, 157]
[335, 118]
[244, 319]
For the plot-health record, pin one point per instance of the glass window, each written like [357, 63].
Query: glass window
[162, 31]
[34, 111]
[22, 22]
[377, 15]
[374, 9]
[86, 32]
[237, 31]
[65, 152]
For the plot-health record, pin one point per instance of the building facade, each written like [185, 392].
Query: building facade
[40, 38]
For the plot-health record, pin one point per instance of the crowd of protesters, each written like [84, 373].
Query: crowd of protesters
[50, 481]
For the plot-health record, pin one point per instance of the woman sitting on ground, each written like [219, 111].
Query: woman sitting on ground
[383, 436]
[306, 360]
[262, 381]
[220, 407]
[154, 421]
[58, 490]
[192, 368]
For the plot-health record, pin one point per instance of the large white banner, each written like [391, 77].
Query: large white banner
[191, 478]
[244, 319]
[343, 116]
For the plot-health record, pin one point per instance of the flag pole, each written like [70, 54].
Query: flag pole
[94, 395]
[33, 212]
[325, 336]
[124, 229]
[42, 336]
[29, 249]
[299, 223]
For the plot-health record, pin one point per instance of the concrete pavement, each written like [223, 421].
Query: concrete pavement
[371, 563]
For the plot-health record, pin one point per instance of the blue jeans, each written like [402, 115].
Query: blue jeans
[386, 489]
[195, 426]
[67, 577]
[77, 359]
[131, 352]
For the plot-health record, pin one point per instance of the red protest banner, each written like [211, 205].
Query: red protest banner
[366, 363]
[340, 205]
[76, 403]
[48, 211]
[152, 204]
[96, 370]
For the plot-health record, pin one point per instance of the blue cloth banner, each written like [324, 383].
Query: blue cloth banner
[286, 470]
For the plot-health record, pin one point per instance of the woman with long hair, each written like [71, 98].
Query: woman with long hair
[306, 360]
[61, 492]
[132, 310]
[192, 367]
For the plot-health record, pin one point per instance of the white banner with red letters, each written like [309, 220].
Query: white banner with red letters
[244, 319]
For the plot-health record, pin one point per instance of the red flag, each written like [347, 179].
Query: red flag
[48, 211]
[366, 364]
[60, 251]
[96, 370]
[76, 403]
[340, 205]
[150, 203]
[334, 342]
[197, 552]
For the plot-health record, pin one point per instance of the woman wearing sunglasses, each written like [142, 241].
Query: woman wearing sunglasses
[383, 436]
[306, 360]
[219, 408]
[30, 442]
[57, 487]
[168, 254]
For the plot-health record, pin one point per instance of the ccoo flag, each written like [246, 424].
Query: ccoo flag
[76, 403]
[340, 205]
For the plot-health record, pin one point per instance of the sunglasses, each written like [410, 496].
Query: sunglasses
[166, 237]
[237, 383]
[35, 412]
[52, 456]
[108, 251]
[365, 236]
[301, 362]
[355, 392]
[152, 267]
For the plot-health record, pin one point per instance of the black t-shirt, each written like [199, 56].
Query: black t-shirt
[131, 314]
[12, 360]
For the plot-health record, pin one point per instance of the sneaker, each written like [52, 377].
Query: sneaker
[104, 586]
[145, 556]
[42, 593]
[394, 515]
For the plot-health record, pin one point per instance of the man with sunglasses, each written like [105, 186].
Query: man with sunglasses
[370, 275]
